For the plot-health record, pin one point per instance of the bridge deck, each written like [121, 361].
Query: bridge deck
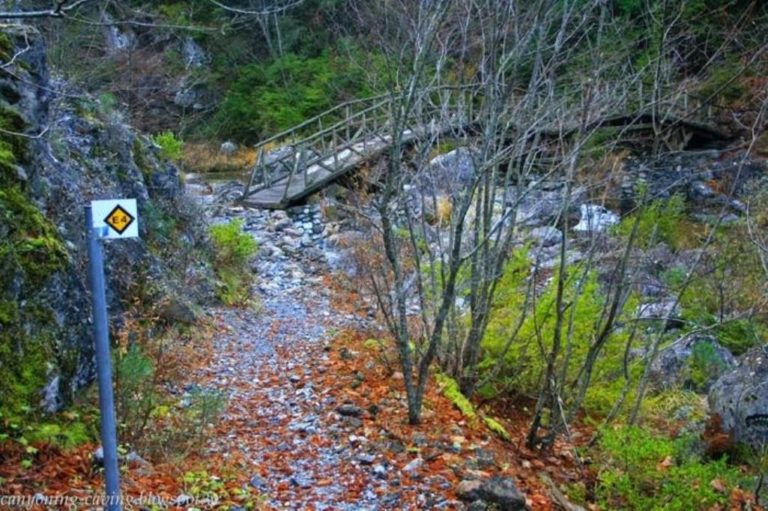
[320, 172]
[317, 176]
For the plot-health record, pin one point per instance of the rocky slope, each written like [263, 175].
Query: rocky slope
[59, 149]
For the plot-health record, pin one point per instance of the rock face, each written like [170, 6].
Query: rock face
[740, 398]
[694, 363]
[86, 153]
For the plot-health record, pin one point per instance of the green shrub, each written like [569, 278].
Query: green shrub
[741, 334]
[641, 470]
[233, 247]
[704, 365]
[266, 99]
[658, 221]
[152, 420]
[721, 84]
[233, 250]
[170, 147]
[524, 359]
[66, 435]
[135, 393]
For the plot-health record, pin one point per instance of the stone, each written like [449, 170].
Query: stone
[259, 483]
[51, 402]
[349, 410]
[684, 362]
[97, 456]
[700, 190]
[484, 459]
[662, 309]
[740, 398]
[413, 465]
[365, 459]
[546, 261]
[469, 489]
[595, 218]
[380, 471]
[450, 173]
[228, 148]
[546, 236]
[498, 490]
[176, 310]
[133, 458]
[193, 54]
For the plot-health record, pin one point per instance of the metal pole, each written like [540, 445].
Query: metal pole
[103, 364]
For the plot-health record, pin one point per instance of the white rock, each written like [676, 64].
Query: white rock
[595, 218]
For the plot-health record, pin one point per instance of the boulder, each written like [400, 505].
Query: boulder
[497, 490]
[452, 172]
[595, 218]
[176, 310]
[691, 362]
[740, 398]
[229, 192]
[546, 236]
[664, 309]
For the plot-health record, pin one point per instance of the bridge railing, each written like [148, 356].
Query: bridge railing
[357, 125]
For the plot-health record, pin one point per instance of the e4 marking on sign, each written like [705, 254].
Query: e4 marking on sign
[119, 219]
[115, 218]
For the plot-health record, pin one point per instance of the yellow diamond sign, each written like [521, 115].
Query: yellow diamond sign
[119, 219]
[115, 218]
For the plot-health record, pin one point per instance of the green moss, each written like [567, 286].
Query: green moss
[497, 428]
[13, 148]
[67, 435]
[451, 391]
[32, 242]
[6, 46]
[9, 312]
[372, 344]
[30, 252]
[23, 365]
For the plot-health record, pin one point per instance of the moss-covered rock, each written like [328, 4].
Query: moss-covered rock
[451, 391]
[30, 241]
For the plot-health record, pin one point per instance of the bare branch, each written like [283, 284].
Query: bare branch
[267, 11]
[59, 10]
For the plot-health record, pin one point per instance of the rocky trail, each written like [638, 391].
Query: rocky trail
[308, 448]
[315, 421]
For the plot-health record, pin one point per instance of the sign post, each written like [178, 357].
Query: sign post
[110, 219]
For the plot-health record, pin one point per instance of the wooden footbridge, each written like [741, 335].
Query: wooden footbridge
[300, 161]
[322, 149]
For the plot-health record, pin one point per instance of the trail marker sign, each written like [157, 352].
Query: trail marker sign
[115, 219]
[107, 219]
